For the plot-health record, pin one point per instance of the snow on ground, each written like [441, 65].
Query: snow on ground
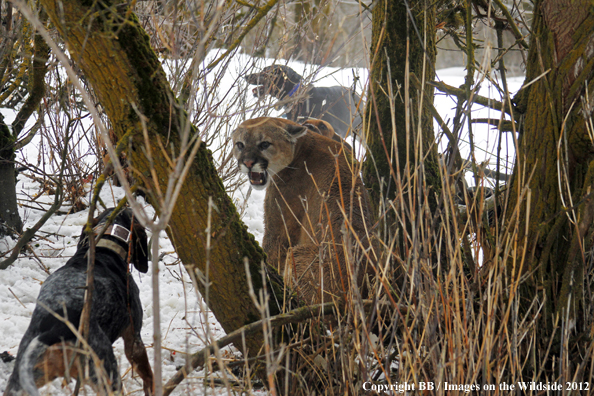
[183, 318]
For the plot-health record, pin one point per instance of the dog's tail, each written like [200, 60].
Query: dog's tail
[53, 332]
[34, 350]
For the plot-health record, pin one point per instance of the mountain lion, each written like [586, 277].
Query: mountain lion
[315, 202]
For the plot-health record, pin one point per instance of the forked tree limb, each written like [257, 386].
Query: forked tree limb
[512, 24]
[29, 233]
[37, 77]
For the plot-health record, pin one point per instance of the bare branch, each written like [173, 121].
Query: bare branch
[461, 94]
[512, 24]
[261, 14]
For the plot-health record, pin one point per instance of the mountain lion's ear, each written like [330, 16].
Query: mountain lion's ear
[312, 128]
[296, 131]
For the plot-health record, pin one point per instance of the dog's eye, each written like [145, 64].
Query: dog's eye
[264, 145]
[239, 145]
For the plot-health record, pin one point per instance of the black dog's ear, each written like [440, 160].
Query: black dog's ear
[252, 78]
[139, 248]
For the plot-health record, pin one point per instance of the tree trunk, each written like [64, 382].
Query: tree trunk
[125, 73]
[397, 141]
[10, 221]
[550, 206]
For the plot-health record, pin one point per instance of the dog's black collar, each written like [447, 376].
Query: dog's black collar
[118, 232]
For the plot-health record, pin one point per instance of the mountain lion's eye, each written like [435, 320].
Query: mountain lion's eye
[264, 145]
[239, 145]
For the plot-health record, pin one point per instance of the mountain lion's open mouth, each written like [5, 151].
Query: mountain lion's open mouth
[258, 179]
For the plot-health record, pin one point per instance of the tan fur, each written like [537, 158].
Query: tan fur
[325, 129]
[52, 364]
[304, 225]
[320, 126]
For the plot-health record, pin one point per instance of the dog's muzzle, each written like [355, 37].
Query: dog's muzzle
[259, 91]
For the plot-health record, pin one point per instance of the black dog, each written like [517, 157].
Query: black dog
[47, 350]
[336, 105]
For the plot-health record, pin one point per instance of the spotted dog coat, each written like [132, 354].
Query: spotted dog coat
[47, 349]
[335, 105]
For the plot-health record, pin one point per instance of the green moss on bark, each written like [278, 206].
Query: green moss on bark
[128, 79]
[554, 162]
[37, 83]
[6, 142]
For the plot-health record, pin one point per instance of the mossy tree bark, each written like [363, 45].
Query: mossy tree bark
[36, 89]
[115, 56]
[10, 221]
[37, 70]
[551, 204]
[398, 142]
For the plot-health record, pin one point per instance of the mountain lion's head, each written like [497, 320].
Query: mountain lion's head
[264, 146]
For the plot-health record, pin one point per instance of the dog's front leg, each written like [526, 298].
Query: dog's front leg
[136, 354]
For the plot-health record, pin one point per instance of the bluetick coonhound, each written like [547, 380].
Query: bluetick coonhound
[47, 350]
[335, 105]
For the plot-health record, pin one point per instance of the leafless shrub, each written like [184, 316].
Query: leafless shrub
[443, 306]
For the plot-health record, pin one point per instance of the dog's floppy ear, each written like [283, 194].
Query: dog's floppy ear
[291, 75]
[139, 248]
[252, 78]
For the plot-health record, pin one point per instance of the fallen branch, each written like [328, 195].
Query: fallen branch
[199, 358]
[493, 175]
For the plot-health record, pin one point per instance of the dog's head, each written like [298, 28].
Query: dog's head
[122, 235]
[275, 80]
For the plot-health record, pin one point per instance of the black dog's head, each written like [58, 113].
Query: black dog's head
[275, 80]
[124, 233]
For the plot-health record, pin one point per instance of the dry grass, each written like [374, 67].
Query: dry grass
[445, 305]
